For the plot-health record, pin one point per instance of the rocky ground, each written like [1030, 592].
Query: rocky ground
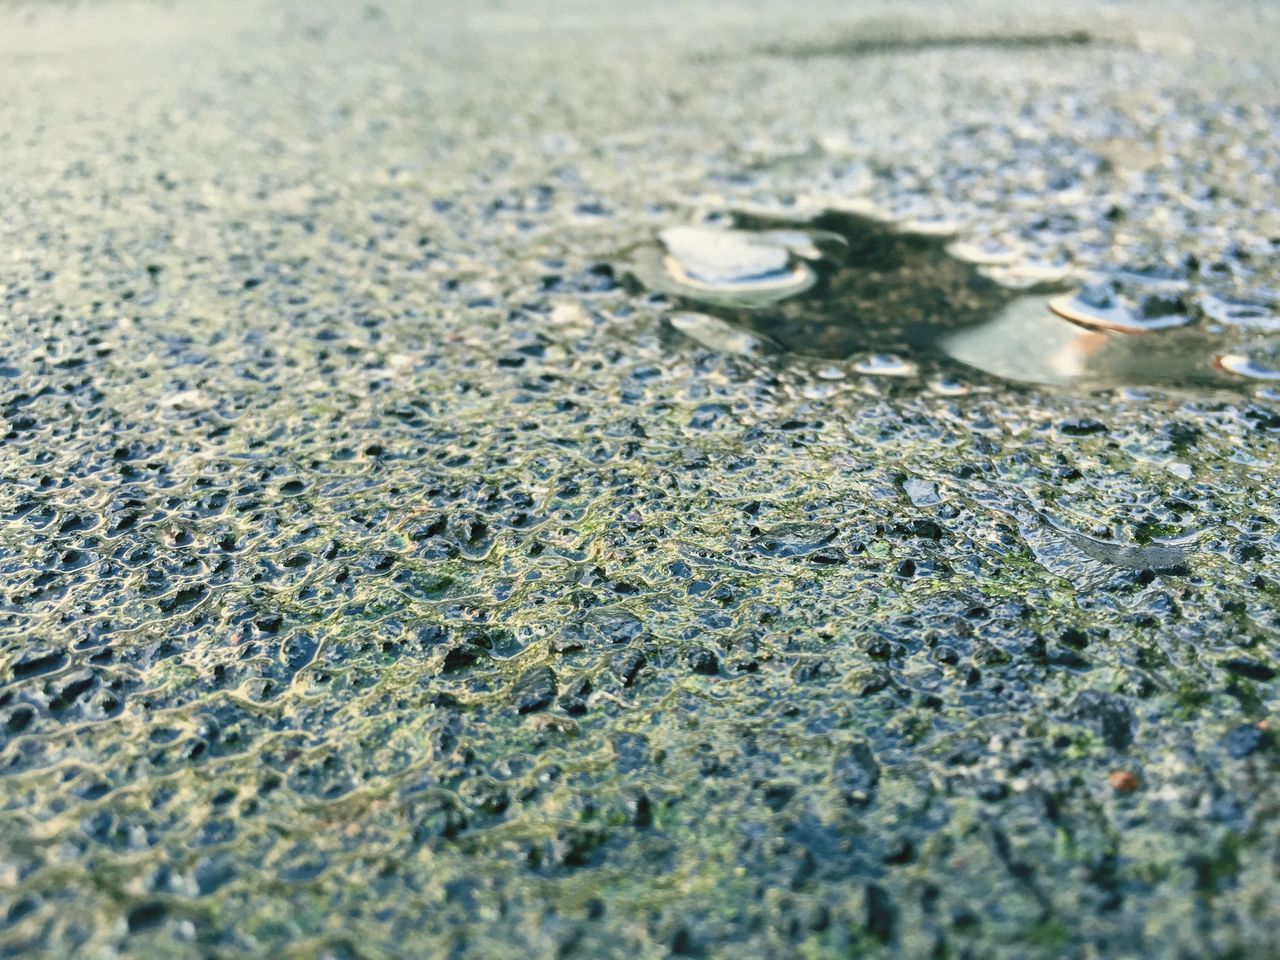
[397, 562]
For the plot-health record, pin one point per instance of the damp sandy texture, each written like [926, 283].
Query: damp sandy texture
[393, 568]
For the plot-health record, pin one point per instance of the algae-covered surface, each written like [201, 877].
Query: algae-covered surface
[590, 479]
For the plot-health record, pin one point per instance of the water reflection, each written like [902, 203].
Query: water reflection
[1030, 342]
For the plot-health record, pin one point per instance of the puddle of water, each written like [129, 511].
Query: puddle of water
[876, 298]
[840, 285]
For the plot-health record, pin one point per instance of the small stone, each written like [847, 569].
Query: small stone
[1250, 669]
[1123, 781]
[146, 916]
[627, 666]
[882, 914]
[632, 750]
[855, 773]
[1081, 427]
[778, 795]
[535, 690]
[640, 811]
[1106, 713]
[1245, 740]
[704, 661]
[993, 792]
[574, 699]
[900, 851]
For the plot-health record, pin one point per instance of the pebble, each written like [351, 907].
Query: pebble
[1123, 781]
[534, 690]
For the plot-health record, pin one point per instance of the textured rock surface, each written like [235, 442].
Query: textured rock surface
[384, 576]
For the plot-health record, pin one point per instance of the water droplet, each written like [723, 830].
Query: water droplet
[929, 225]
[1253, 314]
[884, 365]
[949, 387]
[1103, 307]
[710, 256]
[1024, 275]
[1243, 366]
[984, 254]
[732, 266]
[1154, 276]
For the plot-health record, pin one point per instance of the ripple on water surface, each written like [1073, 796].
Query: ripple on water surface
[880, 298]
